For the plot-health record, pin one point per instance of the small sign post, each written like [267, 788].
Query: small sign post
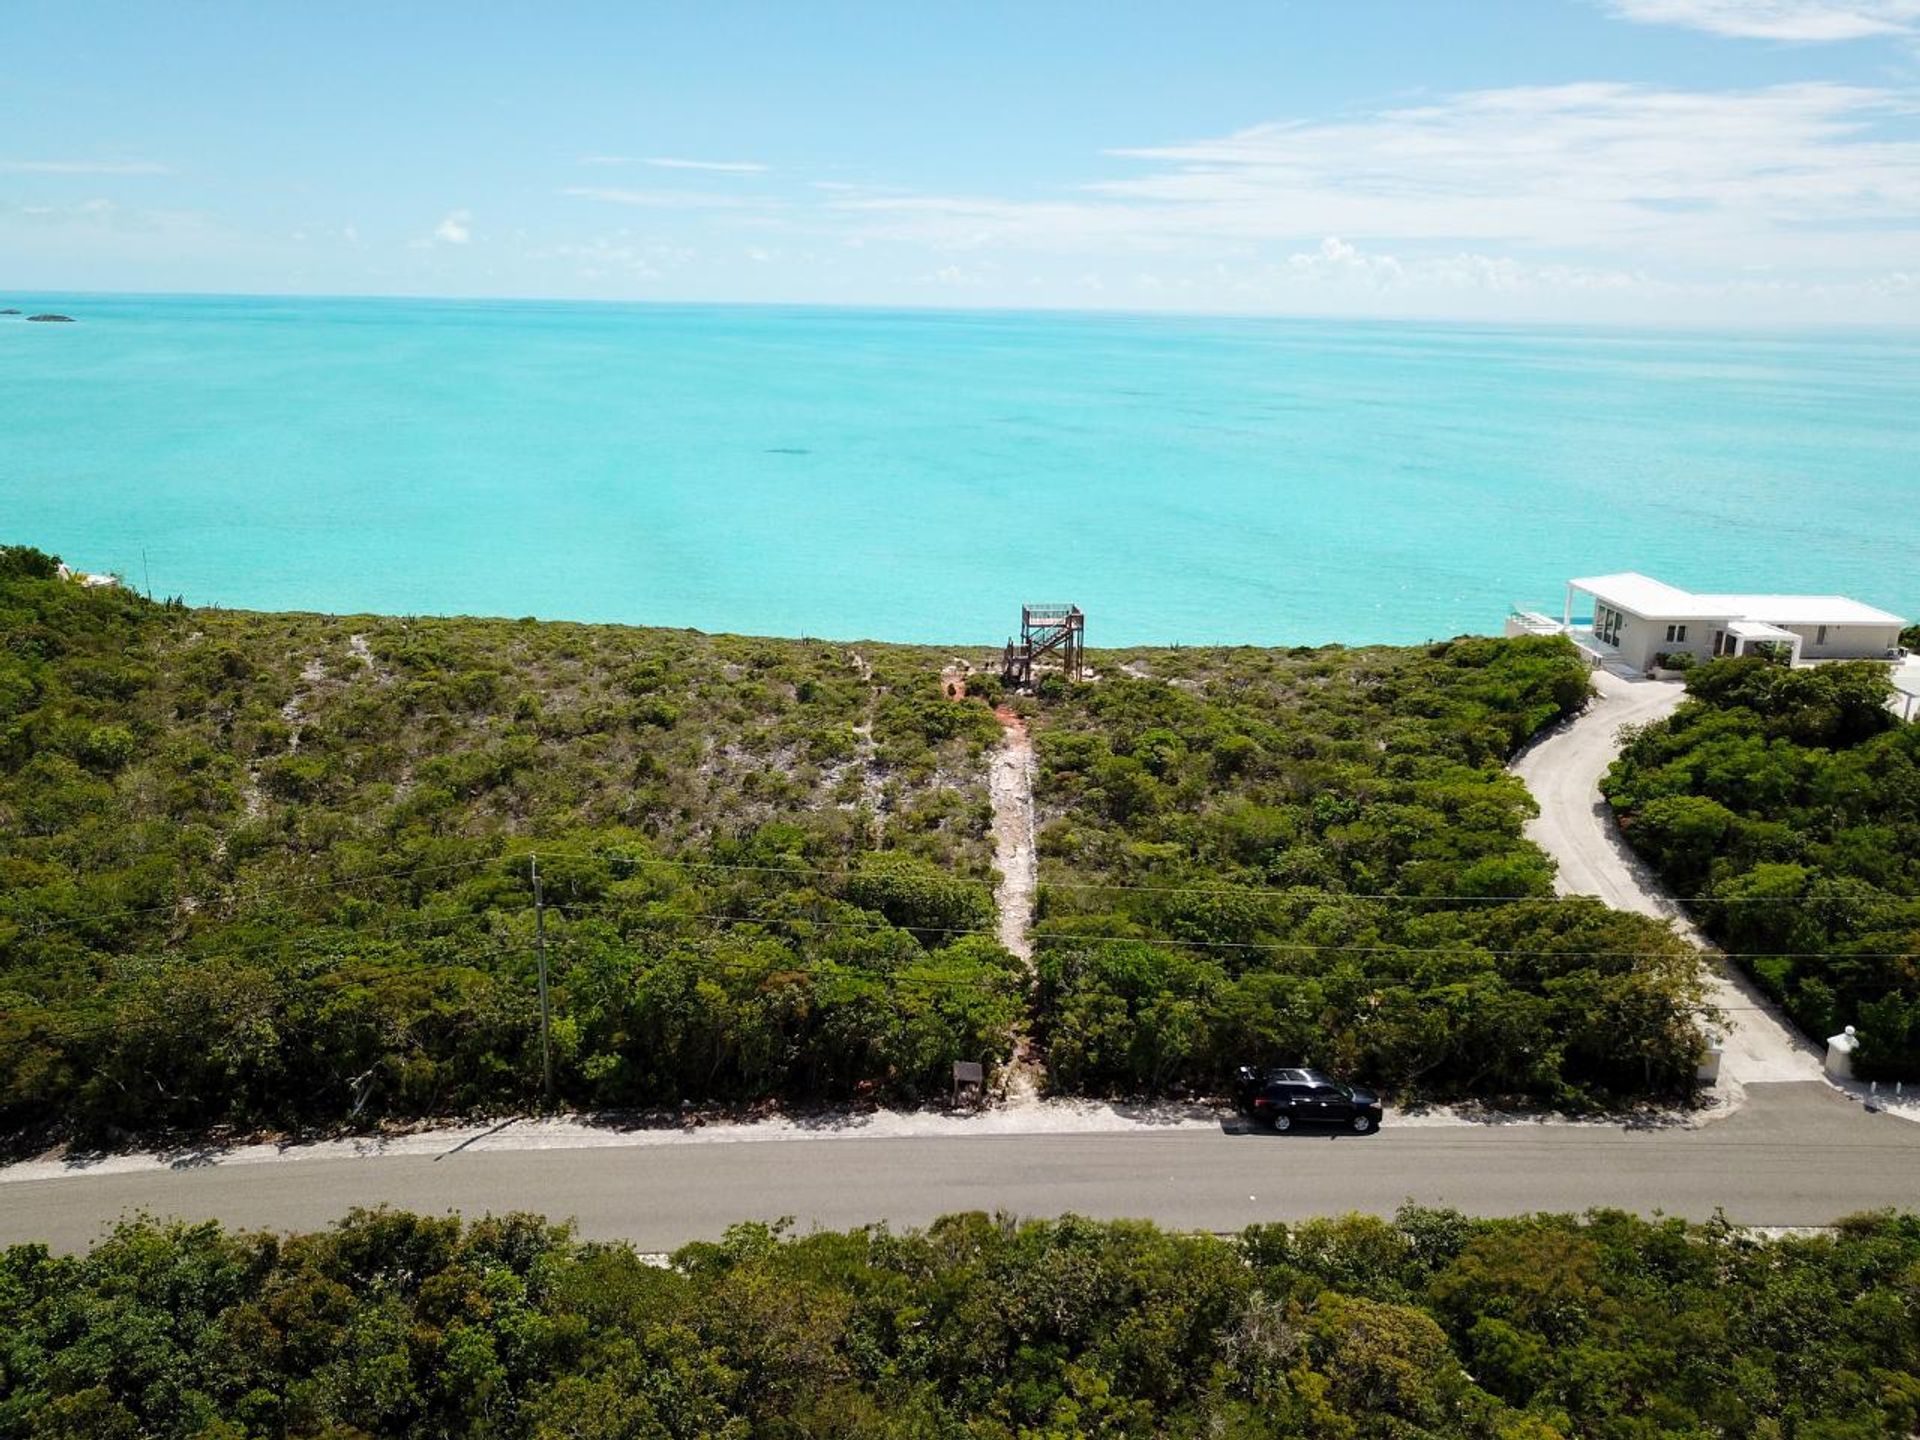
[968, 1073]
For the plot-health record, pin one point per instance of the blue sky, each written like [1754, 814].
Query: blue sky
[1675, 160]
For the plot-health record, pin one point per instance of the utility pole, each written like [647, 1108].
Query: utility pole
[540, 950]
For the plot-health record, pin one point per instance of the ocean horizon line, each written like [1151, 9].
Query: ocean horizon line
[1465, 322]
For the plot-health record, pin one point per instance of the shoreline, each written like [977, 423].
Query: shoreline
[949, 644]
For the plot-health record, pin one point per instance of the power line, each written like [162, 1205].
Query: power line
[74, 922]
[1061, 938]
[42, 926]
[1300, 895]
[1071, 937]
[1267, 891]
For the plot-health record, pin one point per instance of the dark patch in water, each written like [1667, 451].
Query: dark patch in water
[786, 450]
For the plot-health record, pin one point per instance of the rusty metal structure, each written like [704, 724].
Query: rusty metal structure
[1054, 634]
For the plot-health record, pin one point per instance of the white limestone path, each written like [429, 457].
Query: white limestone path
[1010, 783]
[1576, 827]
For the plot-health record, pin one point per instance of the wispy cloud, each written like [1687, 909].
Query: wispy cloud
[1805, 20]
[456, 228]
[1586, 199]
[666, 162]
[1628, 172]
[100, 217]
[666, 199]
[83, 167]
[620, 254]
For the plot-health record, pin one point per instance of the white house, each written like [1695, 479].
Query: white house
[1634, 618]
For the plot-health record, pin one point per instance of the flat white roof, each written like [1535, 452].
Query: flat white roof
[1758, 630]
[1800, 609]
[1655, 599]
[1639, 593]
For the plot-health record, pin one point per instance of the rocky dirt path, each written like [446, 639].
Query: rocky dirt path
[1576, 827]
[1010, 782]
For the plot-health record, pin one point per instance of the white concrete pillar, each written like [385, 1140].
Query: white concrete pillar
[1840, 1050]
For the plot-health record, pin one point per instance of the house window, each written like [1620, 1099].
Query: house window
[1676, 633]
[1608, 623]
[1820, 637]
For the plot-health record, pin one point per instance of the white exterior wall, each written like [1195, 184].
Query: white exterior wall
[1845, 642]
[1699, 641]
[1637, 637]
[1641, 639]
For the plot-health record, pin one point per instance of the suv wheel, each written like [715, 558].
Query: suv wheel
[1362, 1124]
[1282, 1121]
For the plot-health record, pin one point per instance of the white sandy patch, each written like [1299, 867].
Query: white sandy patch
[577, 1132]
[1010, 784]
[1027, 1116]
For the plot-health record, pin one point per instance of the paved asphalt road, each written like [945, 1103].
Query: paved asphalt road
[1796, 1155]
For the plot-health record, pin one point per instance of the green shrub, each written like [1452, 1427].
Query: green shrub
[1787, 802]
[1428, 1325]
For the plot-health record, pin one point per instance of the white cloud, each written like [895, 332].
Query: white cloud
[666, 162]
[82, 167]
[1812, 20]
[1336, 263]
[97, 211]
[617, 255]
[666, 199]
[724, 167]
[456, 228]
[1789, 202]
[1614, 174]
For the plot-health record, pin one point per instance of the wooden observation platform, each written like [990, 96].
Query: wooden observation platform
[1055, 634]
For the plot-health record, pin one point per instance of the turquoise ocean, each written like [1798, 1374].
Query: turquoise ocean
[916, 475]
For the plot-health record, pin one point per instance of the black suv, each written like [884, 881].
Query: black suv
[1288, 1097]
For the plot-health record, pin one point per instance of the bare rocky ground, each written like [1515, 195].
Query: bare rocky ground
[1010, 786]
[1010, 782]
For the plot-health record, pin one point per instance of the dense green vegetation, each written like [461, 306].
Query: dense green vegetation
[266, 870]
[1787, 802]
[271, 871]
[1317, 854]
[1430, 1327]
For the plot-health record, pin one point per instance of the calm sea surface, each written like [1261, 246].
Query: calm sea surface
[914, 476]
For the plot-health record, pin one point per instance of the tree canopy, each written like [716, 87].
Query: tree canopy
[1786, 805]
[1428, 1327]
[1317, 855]
[276, 871]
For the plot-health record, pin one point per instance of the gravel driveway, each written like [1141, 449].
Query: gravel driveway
[1576, 827]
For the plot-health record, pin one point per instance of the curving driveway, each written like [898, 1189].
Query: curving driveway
[1576, 827]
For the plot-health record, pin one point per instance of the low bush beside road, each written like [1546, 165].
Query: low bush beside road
[1316, 856]
[1785, 805]
[270, 871]
[1432, 1325]
[274, 872]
